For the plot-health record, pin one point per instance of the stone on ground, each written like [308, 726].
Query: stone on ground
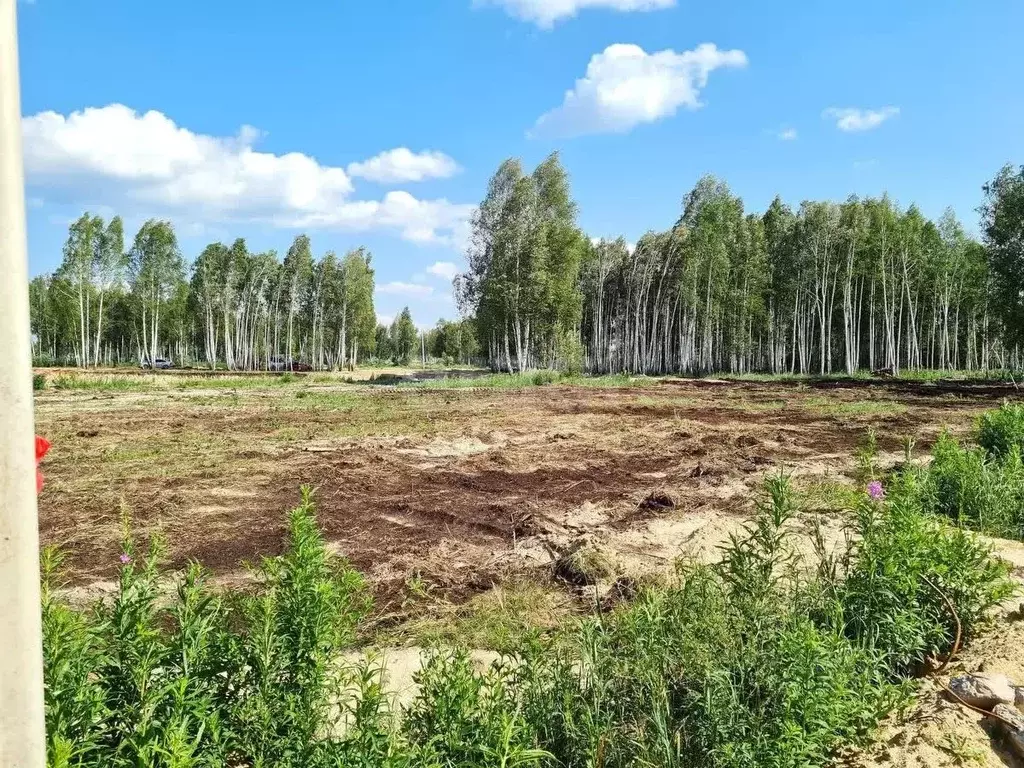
[984, 689]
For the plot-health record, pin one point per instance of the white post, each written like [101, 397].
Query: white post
[22, 740]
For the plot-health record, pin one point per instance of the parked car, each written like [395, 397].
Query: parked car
[159, 363]
[281, 363]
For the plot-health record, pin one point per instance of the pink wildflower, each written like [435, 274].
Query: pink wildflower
[125, 558]
[875, 490]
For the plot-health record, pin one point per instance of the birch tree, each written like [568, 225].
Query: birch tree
[156, 271]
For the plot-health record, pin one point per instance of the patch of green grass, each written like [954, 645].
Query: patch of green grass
[932, 374]
[290, 434]
[489, 381]
[829, 494]
[315, 400]
[925, 375]
[829, 407]
[355, 413]
[497, 620]
[667, 402]
[131, 382]
[182, 455]
[531, 379]
[128, 454]
[759, 406]
[961, 751]
[114, 383]
[242, 381]
[614, 380]
[787, 377]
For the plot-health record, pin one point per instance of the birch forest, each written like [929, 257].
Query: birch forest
[820, 287]
[110, 302]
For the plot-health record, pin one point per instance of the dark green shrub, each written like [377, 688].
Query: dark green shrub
[129, 683]
[282, 666]
[1002, 430]
[75, 708]
[544, 376]
[463, 717]
[38, 382]
[975, 489]
[894, 583]
[254, 680]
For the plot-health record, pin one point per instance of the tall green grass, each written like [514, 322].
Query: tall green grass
[114, 383]
[247, 678]
[756, 661]
[980, 487]
[1001, 431]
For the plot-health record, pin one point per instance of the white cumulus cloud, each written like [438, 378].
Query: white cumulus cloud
[115, 155]
[398, 288]
[402, 164]
[544, 13]
[420, 221]
[854, 119]
[625, 86]
[444, 269]
[787, 134]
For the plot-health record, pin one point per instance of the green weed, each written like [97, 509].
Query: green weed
[976, 489]
[867, 457]
[828, 407]
[961, 751]
[534, 379]
[129, 383]
[209, 680]
[1000, 431]
[498, 620]
[892, 590]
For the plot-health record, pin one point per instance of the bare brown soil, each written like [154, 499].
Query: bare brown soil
[457, 485]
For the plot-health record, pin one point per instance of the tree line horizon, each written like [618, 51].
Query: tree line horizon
[823, 288]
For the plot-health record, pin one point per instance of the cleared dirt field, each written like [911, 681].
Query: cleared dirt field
[456, 500]
[463, 486]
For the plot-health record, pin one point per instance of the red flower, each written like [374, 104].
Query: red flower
[42, 446]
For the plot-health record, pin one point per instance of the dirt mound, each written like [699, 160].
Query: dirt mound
[583, 563]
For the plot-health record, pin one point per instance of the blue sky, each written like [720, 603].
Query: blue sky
[379, 123]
